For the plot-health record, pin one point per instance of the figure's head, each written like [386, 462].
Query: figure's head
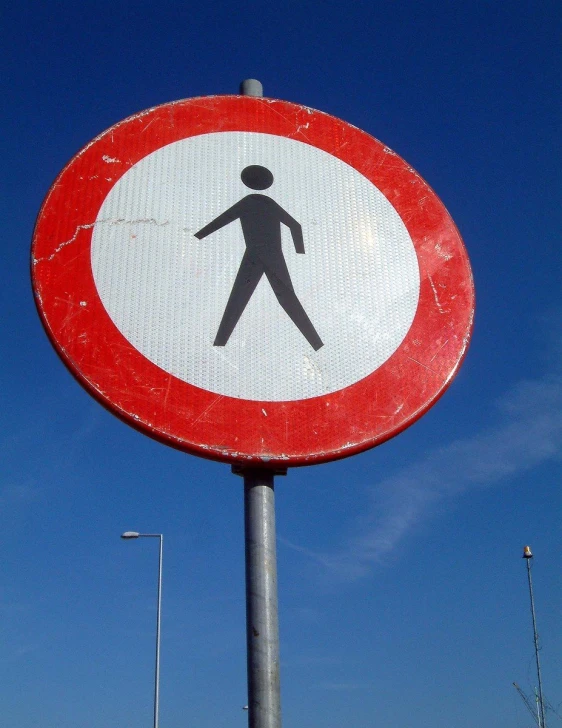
[256, 177]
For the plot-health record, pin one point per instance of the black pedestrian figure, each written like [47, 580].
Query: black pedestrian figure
[261, 219]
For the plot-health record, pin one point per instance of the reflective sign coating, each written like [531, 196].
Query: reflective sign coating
[252, 281]
[170, 294]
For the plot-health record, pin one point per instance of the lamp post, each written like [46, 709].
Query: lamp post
[135, 534]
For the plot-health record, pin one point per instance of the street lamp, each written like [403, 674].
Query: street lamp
[134, 534]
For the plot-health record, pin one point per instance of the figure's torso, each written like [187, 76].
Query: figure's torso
[261, 225]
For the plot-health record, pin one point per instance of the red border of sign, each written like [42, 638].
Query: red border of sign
[224, 428]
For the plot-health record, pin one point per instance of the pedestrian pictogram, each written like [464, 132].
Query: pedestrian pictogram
[261, 220]
[252, 281]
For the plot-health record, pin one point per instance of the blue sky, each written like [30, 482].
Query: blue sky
[403, 596]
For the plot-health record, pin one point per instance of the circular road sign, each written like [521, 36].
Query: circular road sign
[252, 281]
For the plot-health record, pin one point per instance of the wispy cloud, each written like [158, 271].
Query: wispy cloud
[528, 431]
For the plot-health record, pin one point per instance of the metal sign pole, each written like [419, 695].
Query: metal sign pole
[262, 622]
[262, 625]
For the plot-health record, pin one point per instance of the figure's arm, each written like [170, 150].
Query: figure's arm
[223, 219]
[294, 227]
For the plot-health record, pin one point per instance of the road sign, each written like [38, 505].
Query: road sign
[252, 281]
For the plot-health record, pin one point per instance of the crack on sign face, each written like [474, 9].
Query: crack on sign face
[89, 226]
[436, 297]
[60, 247]
[429, 369]
[439, 349]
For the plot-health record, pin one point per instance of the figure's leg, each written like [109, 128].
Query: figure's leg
[283, 289]
[245, 283]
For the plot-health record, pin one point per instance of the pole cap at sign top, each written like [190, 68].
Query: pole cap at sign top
[251, 87]
[527, 553]
[130, 534]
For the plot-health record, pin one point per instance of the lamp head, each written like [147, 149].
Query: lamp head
[130, 534]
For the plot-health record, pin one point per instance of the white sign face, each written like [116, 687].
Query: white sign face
[355, 287]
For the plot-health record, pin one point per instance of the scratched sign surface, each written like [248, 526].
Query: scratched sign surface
[252, 280]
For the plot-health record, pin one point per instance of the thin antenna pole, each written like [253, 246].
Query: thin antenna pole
[534, 711]
[527, 555]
